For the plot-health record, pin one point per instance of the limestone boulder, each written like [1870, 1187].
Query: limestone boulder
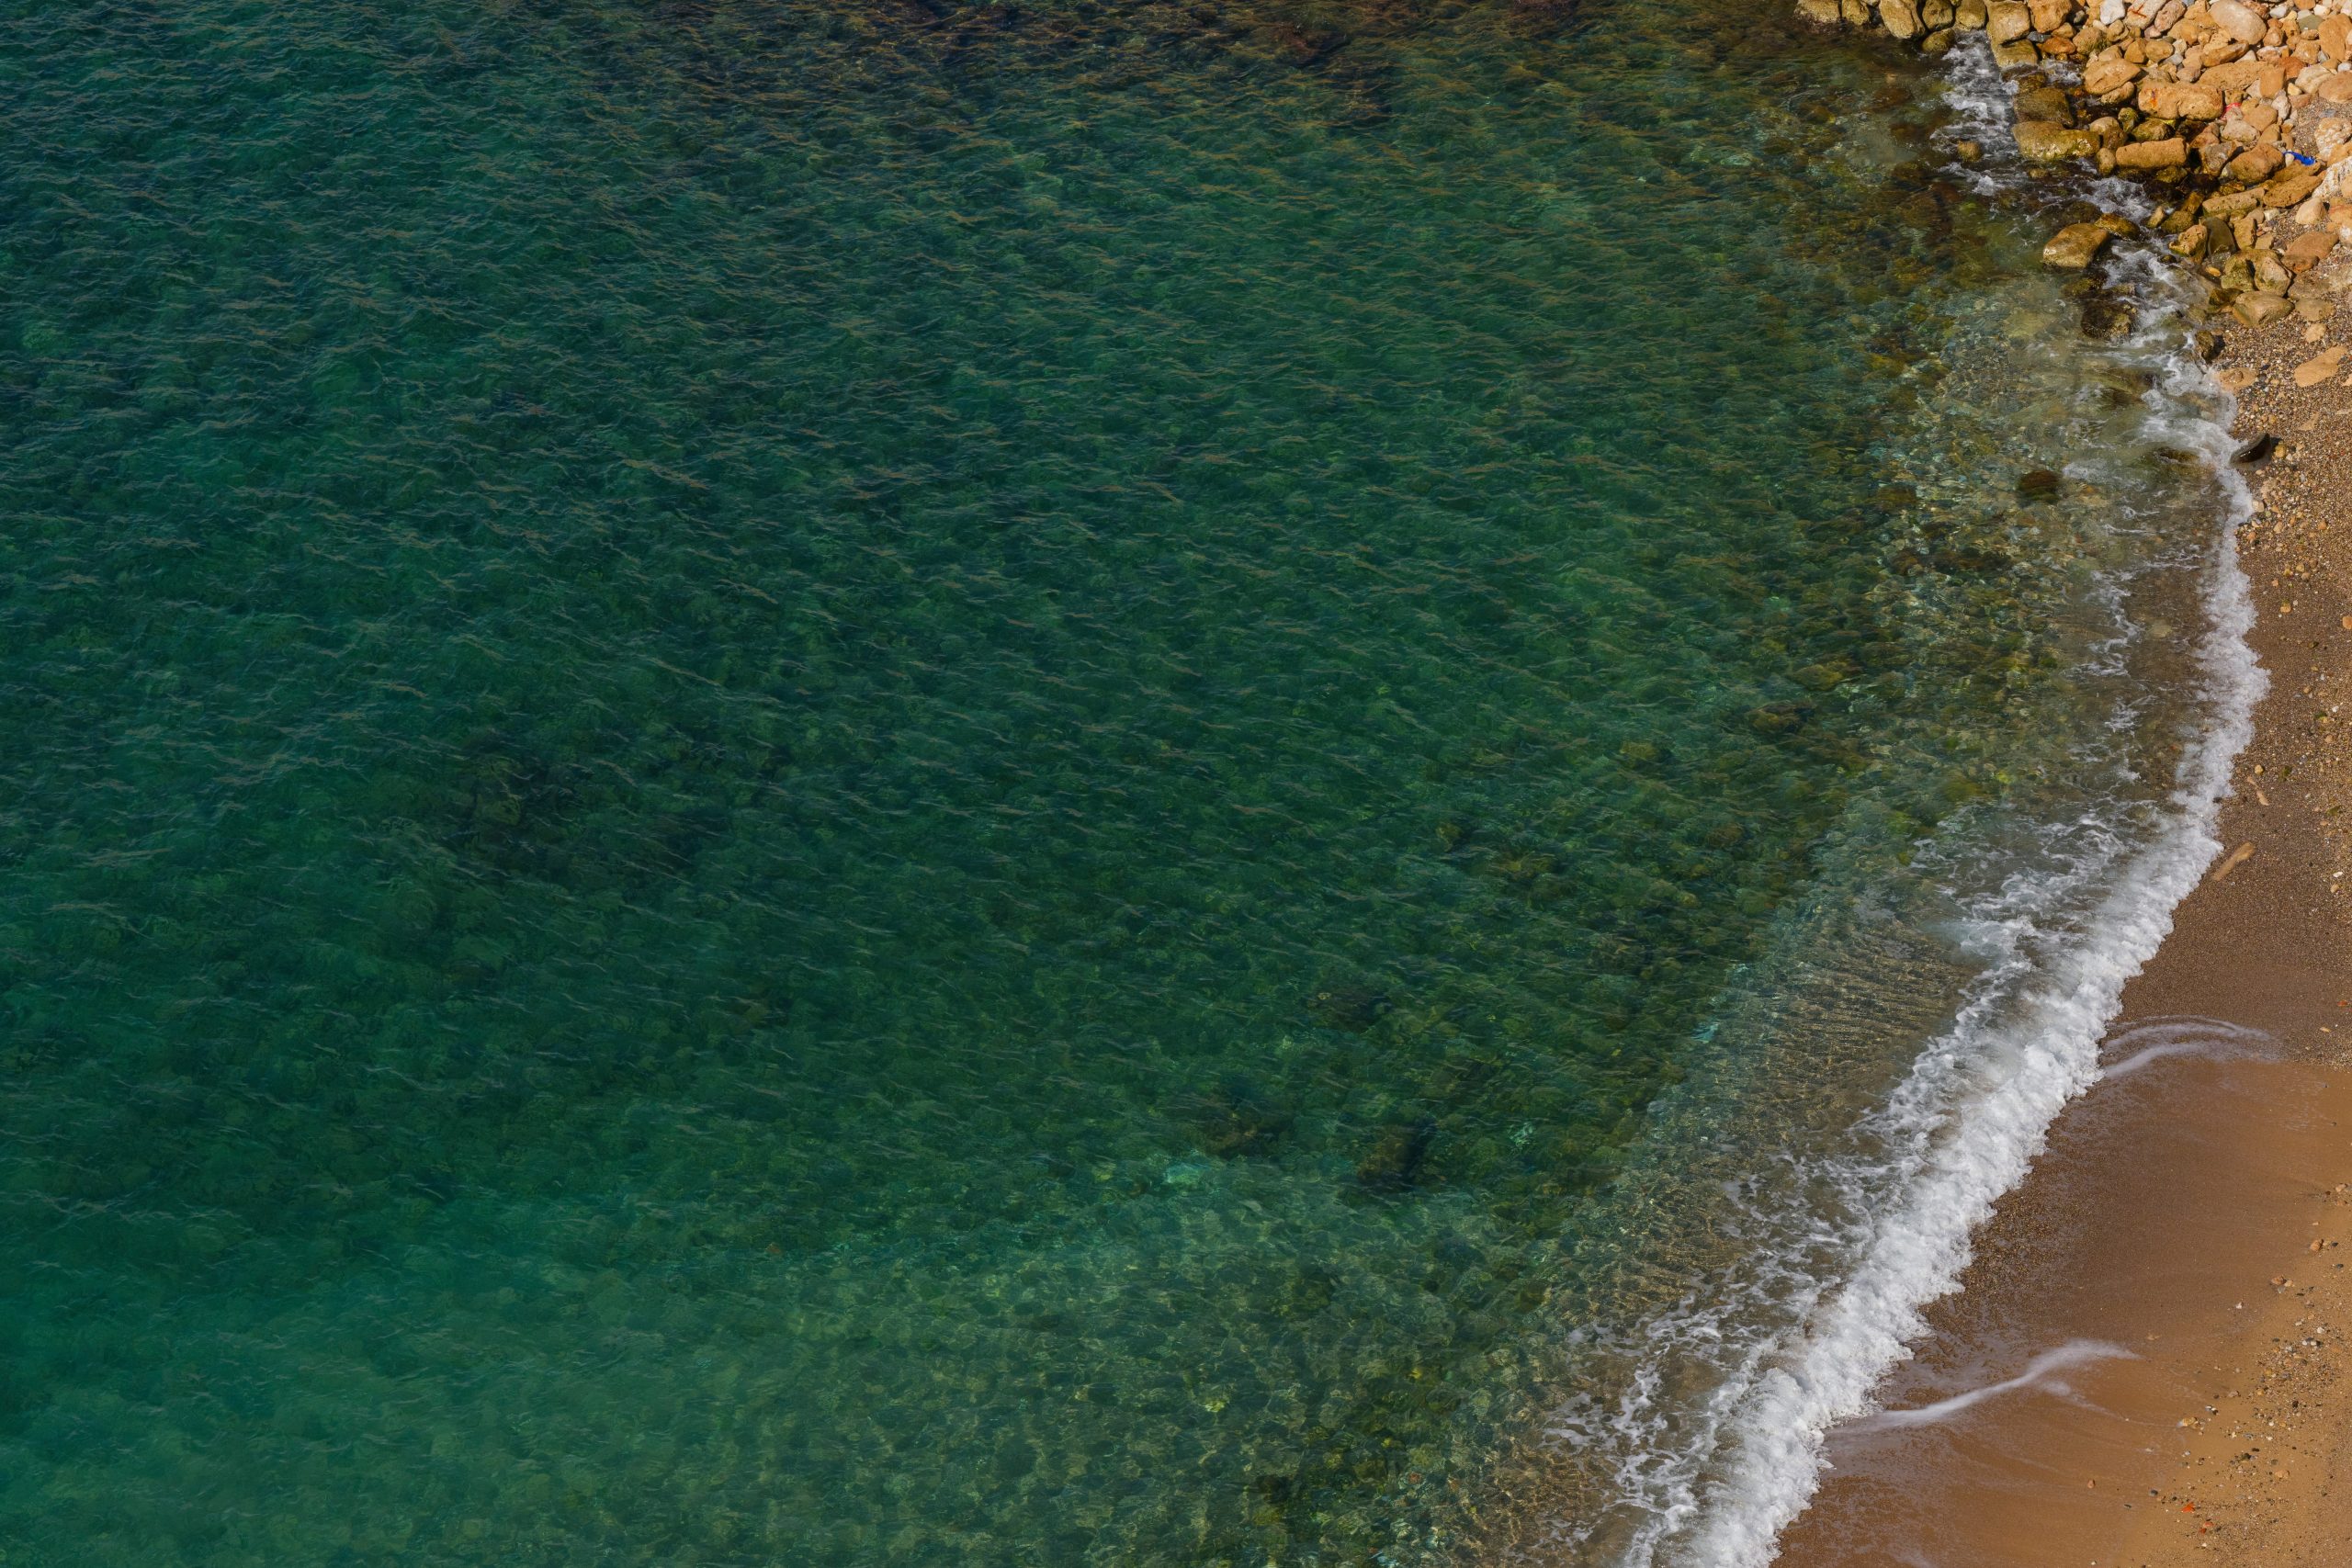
[2231, 77]
[2261, 310]
[2289, 185]
[2256, 163]
[2007, 21]
[1900, 17]
[2336, 39]
[2170, 153]
[2240, 20]
[2306, 252]
[2107, 73]
[2047, 141]
[2181, 100]
[2074, 247]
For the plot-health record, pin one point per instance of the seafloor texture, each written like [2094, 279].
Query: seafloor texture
[837, 785]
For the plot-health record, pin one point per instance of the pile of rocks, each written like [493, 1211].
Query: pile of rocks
[2243, 114]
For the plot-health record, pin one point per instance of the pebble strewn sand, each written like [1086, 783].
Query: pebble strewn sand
[2262, 1471]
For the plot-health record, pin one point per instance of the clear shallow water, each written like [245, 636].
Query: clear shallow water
[805, 785]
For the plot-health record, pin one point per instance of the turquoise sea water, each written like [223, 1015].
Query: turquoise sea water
[806, 783]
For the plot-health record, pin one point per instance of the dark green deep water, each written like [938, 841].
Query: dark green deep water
[808, 783]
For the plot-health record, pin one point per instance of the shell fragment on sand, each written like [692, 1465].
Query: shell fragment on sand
[2230, 861]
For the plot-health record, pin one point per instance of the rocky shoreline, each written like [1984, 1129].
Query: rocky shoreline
[2238, 118]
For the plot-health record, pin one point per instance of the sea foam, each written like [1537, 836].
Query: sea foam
[1714, 1484]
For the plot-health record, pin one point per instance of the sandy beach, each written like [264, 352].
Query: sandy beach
[2144, 1363]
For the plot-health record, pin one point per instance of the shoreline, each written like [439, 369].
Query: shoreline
[2139, 1362]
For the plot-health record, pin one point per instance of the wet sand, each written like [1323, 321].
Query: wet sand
[2154, 1321]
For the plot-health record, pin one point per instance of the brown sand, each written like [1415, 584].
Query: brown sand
[2198, 1213]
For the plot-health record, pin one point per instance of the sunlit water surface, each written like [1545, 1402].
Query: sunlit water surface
[821, 783]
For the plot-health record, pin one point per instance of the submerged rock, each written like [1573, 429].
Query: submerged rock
[1353, 1008]
[2107, 319]
[1397, 1156]
[1237, 1118]
[2045, 103]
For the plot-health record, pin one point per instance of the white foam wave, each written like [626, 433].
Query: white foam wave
[2160, 1039]
[1712, 1478]
[2040, 1373]
[1973, 1113]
